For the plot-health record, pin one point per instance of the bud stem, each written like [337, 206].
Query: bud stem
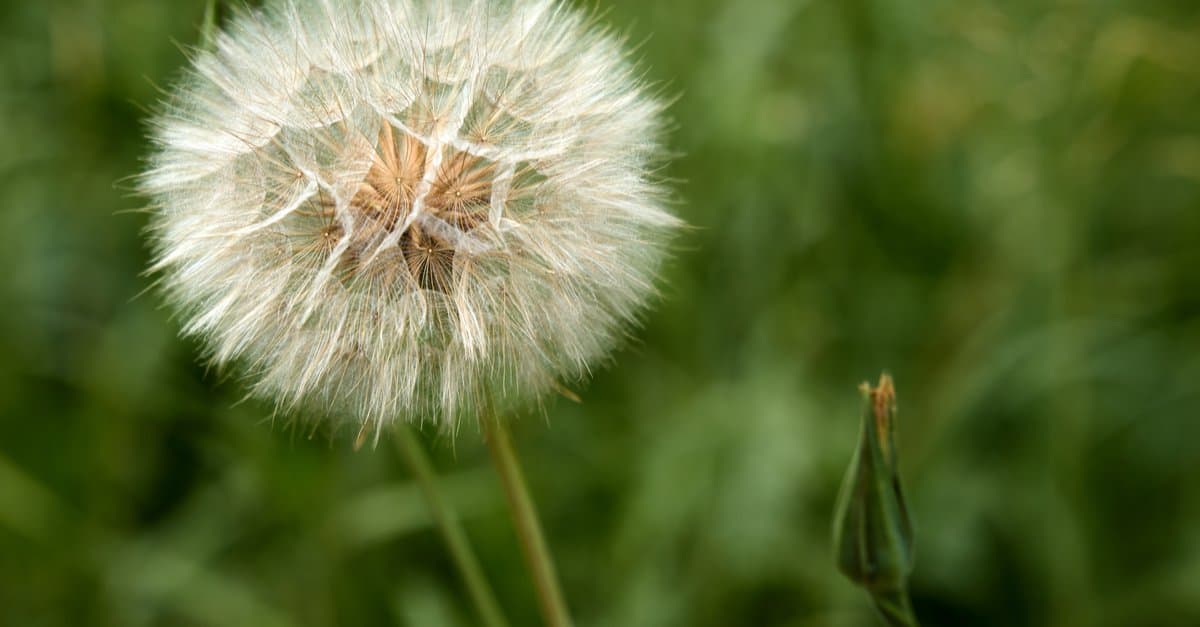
[452, 531]
[525, 519]
[893, 604]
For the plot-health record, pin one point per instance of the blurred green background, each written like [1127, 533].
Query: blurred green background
[997, 201]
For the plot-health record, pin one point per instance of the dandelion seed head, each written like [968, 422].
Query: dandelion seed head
[399, 210]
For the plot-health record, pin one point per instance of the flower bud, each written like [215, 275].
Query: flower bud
[872, 534]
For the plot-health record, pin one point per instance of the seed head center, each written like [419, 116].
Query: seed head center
[457, 201]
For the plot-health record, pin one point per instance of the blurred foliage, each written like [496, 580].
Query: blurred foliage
[997, 201]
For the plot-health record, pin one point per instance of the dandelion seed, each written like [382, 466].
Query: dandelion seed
[409, 210]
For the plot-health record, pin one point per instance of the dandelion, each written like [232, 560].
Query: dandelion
[403, 210]
[399, 210]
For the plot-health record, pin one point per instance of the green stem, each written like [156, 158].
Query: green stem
[208, 29]
[529, 529]
[452, 531]
[894, 605]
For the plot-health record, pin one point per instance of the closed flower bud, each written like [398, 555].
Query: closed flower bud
[872, 534]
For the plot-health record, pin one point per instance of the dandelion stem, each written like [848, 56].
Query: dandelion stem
[529, 529]
[208, 29]
[452, 531]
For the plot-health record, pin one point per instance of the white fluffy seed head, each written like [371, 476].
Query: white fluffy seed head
[395, 209]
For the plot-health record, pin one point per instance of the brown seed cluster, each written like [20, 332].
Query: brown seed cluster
[459, 197]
